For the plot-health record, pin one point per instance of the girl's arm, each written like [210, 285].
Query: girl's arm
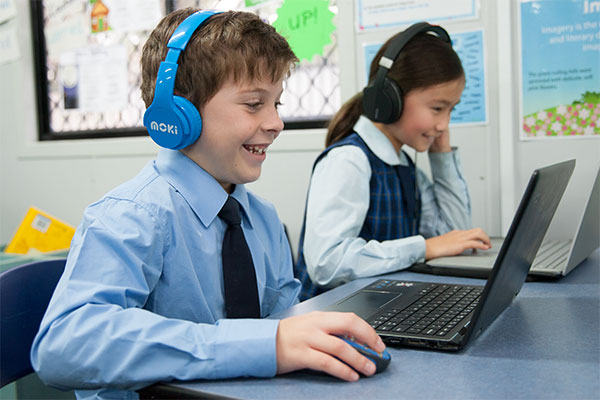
[337, 204]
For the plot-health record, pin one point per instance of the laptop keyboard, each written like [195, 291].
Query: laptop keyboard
[439, 309]
[552, 255]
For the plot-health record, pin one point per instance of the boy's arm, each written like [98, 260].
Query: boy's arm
[97, 334]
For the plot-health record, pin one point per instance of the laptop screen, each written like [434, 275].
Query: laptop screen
[530, 223]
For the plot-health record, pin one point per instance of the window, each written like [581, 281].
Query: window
[87, 67]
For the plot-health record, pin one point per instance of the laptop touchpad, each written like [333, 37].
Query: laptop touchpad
[364, 304]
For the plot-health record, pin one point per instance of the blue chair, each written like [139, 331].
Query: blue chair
[25, 292]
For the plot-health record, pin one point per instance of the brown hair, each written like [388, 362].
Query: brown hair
[230, 45]
[425, 61]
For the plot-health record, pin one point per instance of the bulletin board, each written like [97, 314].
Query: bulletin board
[87, 65]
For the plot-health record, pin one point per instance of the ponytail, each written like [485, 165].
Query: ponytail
[343, 121]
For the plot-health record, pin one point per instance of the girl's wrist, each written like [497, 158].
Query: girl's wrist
[440, 149]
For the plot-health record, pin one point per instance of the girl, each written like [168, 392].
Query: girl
[369, 210]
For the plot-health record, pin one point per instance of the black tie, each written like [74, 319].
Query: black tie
[241, 294]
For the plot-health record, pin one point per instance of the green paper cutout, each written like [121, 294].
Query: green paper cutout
[252, 3]
[307, 25]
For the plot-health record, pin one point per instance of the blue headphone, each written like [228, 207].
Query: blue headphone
[173, 121]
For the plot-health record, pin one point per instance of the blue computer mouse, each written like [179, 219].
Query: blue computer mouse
[381, 360]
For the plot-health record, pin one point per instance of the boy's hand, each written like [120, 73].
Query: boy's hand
[455, 242]
[308, 341]
[441, 144]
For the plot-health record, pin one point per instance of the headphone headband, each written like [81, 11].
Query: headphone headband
[186, 29]
[393, 50]
[382, 98]
[173, 121]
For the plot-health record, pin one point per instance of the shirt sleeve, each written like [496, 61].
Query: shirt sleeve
[337, 205]
[445, 201]
[96, 332]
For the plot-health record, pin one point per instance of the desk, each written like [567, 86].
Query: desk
[545, 345]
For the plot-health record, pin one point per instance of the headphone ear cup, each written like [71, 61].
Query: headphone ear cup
[383, 104]
[393, 95]
[369, 102]
[193, 121]
[377, 105]
[165, 124]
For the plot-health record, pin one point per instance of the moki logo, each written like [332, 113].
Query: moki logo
[168, 128]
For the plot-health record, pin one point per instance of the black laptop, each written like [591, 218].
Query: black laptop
[447, 316]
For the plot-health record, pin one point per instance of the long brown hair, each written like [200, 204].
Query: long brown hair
[425, 61]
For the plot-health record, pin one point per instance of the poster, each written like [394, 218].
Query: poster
[560, 69]
[377, 14]
[131, 15]
[94, 79]
[472, 108]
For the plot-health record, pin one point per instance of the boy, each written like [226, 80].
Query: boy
[142, 298]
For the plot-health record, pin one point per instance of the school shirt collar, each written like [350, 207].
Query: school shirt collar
[199, 189]
[379, 144]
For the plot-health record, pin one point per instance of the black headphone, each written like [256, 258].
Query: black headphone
[382, 98]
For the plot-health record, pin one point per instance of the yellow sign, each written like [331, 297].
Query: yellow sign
[42, 232]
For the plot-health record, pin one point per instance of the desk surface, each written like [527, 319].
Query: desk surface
[546, 344]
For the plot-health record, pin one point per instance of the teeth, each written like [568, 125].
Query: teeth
[255, 149]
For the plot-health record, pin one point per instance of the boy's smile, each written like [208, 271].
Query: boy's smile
[238, 125]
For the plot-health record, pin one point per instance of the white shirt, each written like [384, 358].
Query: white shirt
[338, 201]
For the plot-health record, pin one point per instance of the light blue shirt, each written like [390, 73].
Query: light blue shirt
[338, 202]
[141, 299]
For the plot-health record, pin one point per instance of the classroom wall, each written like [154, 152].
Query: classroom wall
[520, 157]
[63, 177]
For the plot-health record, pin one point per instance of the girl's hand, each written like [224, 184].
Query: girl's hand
[441, 144]
[455, 242]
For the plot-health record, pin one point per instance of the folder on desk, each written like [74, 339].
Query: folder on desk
[42, 232]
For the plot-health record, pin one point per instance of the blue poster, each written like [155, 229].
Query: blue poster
[469, 47]
[560, 75]
[472, 106]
